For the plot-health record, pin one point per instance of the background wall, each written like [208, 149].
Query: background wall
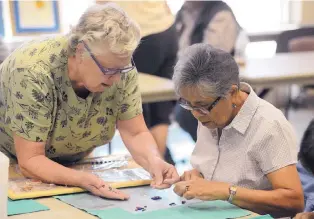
[70, 11]
[307, 12]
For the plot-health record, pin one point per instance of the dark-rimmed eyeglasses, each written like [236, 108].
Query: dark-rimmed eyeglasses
[203, 110]
[109, 71]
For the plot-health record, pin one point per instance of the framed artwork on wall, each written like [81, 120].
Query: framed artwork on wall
[34, 17]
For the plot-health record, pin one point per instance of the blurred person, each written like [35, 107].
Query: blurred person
[306, 166]
[155, 55]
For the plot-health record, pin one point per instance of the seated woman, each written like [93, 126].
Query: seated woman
[246, 149]
[63, 96]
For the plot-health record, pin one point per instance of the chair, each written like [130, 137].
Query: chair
[286, 37]
[298, 40]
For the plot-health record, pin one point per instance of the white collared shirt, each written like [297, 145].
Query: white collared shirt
[257, 142]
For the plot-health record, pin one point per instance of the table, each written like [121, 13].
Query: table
[272, 33]
[282, 69]
[60, 210]
[155, 89]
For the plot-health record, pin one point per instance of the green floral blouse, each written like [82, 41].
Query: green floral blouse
[39, 104]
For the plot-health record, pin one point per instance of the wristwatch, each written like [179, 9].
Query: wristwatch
[232, 193]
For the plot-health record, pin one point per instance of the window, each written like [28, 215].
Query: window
[253, 16]
[262, 15]
[175, 5]
[69, 15]
[256, 17]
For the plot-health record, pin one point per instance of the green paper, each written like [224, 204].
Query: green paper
[24, 207]
[210, 210]
[160, 209]
[263, 217]
[116, 213]
[203, 210]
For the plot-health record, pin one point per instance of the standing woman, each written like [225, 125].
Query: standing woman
[63, 96]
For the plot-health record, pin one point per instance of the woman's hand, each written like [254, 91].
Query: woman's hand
[142, 146]
[98, 187]
[306, 215]
[202, 189]
[164, 175]
[191, 175]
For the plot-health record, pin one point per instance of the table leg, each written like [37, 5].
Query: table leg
[110, 148]
[264, 92]
[287, 108]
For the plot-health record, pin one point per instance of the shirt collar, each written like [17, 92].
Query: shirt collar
[244, 117]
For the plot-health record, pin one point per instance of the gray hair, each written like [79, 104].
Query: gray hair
[106, 24]
[209, 70]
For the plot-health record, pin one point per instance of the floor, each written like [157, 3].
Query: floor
[181, 144]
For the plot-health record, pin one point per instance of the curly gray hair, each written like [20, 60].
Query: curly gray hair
[106, 24]
[209, 70]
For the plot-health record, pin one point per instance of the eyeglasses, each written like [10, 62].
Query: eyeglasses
[203, 110]
[109, 71]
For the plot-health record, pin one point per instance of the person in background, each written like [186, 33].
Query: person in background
[306, 166]
[155, 55]
[64, 95]
[246, 150]
[211, 22]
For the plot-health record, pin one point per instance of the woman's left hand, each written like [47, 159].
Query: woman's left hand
[164, 174]
[202, 189]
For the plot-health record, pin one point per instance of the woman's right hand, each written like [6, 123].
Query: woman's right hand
[191, 175]
[97, 186]
[305, 215]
